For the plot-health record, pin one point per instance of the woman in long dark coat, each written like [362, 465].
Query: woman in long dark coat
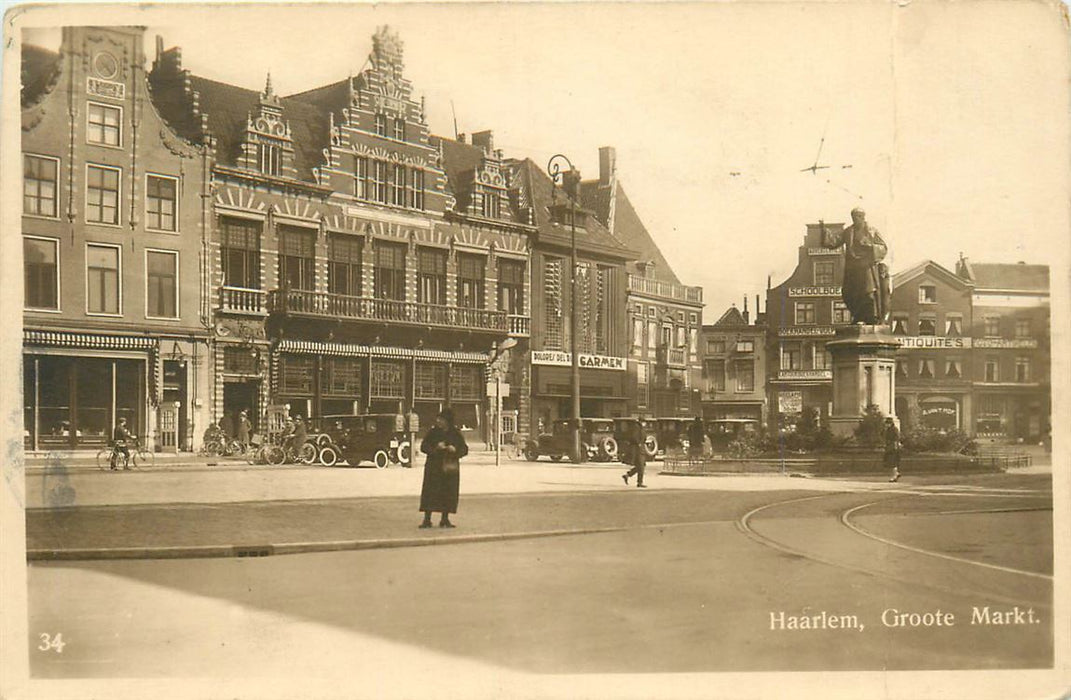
[444, 447]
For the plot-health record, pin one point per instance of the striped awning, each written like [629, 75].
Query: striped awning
[93, 341]
[353, 350]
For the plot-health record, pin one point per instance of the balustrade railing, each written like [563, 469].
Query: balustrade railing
[519, 325]
[242, 300]
[391, 310]
[667, 290]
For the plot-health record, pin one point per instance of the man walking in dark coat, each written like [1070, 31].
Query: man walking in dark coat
[444, 447]
[892, 449]
[638, 452]
[695, 438]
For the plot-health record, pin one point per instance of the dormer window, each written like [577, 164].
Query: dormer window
[381, 125]
[492, 205]
[399, 129]
[269, 158]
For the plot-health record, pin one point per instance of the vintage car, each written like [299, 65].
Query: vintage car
[597, 441]
[379, 438]
[623, 431]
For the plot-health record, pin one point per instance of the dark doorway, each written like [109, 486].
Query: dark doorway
[241, 396]
[175, 392]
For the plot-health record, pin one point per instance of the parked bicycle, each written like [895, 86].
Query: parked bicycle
[136, 456]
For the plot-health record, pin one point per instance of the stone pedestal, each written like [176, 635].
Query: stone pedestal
[864, 373]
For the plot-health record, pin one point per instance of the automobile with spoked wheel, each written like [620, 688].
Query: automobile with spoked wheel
[379, 438]
[597, 441]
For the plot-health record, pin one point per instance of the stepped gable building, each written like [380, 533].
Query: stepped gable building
[930, 314]
[734, 368]
[1010, 341]
[665, 316]
[115, 229]
[349, 273]
[602, 337]
[802, 314]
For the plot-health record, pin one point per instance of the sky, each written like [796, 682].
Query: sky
[947, 122]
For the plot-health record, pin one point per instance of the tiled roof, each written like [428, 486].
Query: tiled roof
[628, 227]
[39, 65]
[538, 190]
[1010, 276]
[732, 318]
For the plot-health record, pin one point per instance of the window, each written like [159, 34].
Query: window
[901, 369]
[387, 379]
[270, 157]
[715, 347]
[823, 273]
[926, 369]
[399, 129]
[416, 190]
[693, 318]
[103, 125]
[681, 339]
[1022, 369]
[381, 124]
[652, 335]
[491, 205]
[992, 326]
[389, 271]
[820, 357]
[745, 346]
[667, 336]
[470, 281]
[102, 279]
[637, 333]
[745, 375]
[161, 284]
[693, 343]
[992, 369]
[680, 317]
[466, 382]
[102, 195]
[953, 326]
[295, 374]
[239, 360]
[899, 325]
[804, 312]
[641, 384]
[344, 265]
[362, 179]
[716, 375]
[790, 356]
[41, 260]
[431, 276]
[398, 186]
[342, 377]
[1022, 328]
[297, 263]
[161, 196]
[927, 326]
[552, 304]
[841, 313]
[953, 368]
[379, 177]
[651, 311]
[430, 381]
[39, 185]
[927, 294]
[511, 286]
[240, 252]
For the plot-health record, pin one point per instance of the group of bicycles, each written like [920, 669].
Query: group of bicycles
[272, 449]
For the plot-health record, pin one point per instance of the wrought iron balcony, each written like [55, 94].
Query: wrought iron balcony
[666, 290]
[519, 326]
[240, 300]
[327, 305]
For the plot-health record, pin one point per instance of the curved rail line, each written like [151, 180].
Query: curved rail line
[744, 525]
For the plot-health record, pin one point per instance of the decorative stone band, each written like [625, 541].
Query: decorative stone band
[88, 340]
[312, 347]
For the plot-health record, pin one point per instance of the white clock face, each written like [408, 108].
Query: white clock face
[105, 65]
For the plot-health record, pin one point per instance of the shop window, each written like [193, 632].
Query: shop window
[466, 382]
[927, 294]
[990, 416]
[161, 201]
[342, 377]
[104, 125]
[927, 326]
[295, 375]
[161, 280]
[240, 252]
[344, 265]
[40, 182]
[431, 276]
[297, 261]
[1022, 369]
[470, 280]
[992, 326]
[804, 313]
[387, 379]
[41, 262]
[823, 273]
[953, 368]
[430, 381]
[389, 272]
[102, 195]
[745, 376]
[102, 279]
[926, 369]
[953, 326]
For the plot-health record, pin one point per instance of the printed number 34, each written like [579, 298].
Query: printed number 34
[50, 642]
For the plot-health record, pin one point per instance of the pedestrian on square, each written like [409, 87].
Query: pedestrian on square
[244, 429]
[892, 449]
[695, 438]
[638, 453]
[444, 446]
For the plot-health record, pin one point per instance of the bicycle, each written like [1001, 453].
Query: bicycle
[137, 457]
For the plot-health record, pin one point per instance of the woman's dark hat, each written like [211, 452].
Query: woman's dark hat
[447, 415]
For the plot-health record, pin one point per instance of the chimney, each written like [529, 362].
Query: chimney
[757, 312]
[746, 315]
[484, 140]
[607, 166]
[461, 138]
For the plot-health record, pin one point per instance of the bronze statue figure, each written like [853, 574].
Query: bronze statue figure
[866, 287]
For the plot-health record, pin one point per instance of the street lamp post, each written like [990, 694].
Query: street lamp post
[570, 181]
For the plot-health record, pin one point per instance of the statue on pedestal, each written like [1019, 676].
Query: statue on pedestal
[866, 288]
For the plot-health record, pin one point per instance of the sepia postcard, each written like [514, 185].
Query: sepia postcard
[535, 350]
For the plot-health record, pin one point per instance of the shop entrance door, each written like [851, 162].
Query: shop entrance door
[175, 393]
[241, 396]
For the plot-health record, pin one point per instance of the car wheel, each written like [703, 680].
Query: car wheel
[308, 454]
[531, 453]
[650, 445]
[608, 449]
[381, 459]
[328, 456]
[323, 439]
[556, 458]
[405, 454]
